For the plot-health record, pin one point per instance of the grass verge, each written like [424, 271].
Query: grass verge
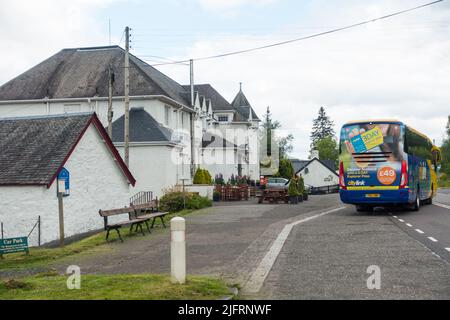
[42, 257]
[112, 287]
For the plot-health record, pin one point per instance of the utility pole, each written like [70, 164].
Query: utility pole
[127, 97]
[110, 91]
[191, 64]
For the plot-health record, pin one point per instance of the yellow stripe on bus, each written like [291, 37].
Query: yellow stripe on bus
[374, 188]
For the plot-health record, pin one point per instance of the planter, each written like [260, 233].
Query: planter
[216, 197]
[300, 198]
[293, 199]
[305, 196]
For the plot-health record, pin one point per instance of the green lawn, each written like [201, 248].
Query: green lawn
[41, 257]
[112, 287]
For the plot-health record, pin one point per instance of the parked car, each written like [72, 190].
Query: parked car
[277, 183]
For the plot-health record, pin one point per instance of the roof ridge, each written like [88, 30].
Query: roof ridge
[60, 115]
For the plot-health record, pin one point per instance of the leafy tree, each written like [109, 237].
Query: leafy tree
[328, 149]
[322, 128]
[284, 143]
[286, 169]
[445, 149]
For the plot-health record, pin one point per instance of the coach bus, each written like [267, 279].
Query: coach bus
[386, 163]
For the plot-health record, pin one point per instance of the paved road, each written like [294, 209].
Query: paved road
[327, 258]
[324, 257]
[430, 225]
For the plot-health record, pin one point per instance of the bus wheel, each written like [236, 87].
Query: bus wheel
[416, 204]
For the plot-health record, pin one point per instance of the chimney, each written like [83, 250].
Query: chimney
[315, 154]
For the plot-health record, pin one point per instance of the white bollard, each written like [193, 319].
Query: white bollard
[178, 250]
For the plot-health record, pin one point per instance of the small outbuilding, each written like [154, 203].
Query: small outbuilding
[316, 173]
[34, 151]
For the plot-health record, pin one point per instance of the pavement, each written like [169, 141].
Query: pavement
[296, 252]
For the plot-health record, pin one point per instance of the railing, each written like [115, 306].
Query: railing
[37, 224]
[324, 190]
[141, 198]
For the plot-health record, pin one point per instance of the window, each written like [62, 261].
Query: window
[182, 119]
[418, 145]
[306, 170]
[223, 118]
[166, 115]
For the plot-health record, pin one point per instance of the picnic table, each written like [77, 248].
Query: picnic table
[273, 196]
[233, 193]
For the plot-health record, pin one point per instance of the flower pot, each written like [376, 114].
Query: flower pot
[300, 198]
[305, 196]
[216, 197]
[293, 199]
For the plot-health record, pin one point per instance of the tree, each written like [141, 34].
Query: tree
[328, 149]
[322, 127]
[284, 143]
[286, 169]
[445, 149]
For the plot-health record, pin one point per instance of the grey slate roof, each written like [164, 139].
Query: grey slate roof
[214, 141]
[217, 100]
[83, 72]
[241, 104]
[143, 128]
[34, 149]
[299, 165]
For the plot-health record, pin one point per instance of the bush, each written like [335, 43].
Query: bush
[301, 185]
[202, 176]
[173, 201]
[292, 190]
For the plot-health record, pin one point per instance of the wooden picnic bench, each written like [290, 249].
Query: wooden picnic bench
[149, 211]
[137, 215]
[132, 220]
[273, 196]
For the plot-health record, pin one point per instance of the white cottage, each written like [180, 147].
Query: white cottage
[34, 150]
[316, 173]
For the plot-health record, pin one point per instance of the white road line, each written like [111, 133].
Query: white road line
[441, 205]
[432, 239]
[420, 231]
[258, 277]
[395, 217]
[401, 220]
[448, 249]
[409, 225]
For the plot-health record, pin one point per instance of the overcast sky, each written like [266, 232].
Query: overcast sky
[396, 68]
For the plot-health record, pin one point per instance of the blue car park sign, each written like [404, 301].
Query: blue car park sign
[13, 245]
[64, 180]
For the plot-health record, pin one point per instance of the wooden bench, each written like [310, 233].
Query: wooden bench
[273, 196]
[149, 211]
[132, 220]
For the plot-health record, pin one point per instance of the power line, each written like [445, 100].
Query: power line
[304, 38]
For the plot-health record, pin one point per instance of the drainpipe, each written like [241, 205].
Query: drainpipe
[192, 118]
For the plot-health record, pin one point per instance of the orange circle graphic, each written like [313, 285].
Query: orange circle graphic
[386, 175]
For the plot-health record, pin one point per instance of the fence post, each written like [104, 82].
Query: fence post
[2, 230]
[178, 250]
[39, 231]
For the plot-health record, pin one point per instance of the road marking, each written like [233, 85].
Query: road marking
[441, 205]
[258, 277]
[409, 225]
[420, 231]
[432, 239]
[401, 220]
[395, 217]
[448, 249]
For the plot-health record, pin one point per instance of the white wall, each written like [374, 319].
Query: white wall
[156, 168]
[318, 175]
[96, 182]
